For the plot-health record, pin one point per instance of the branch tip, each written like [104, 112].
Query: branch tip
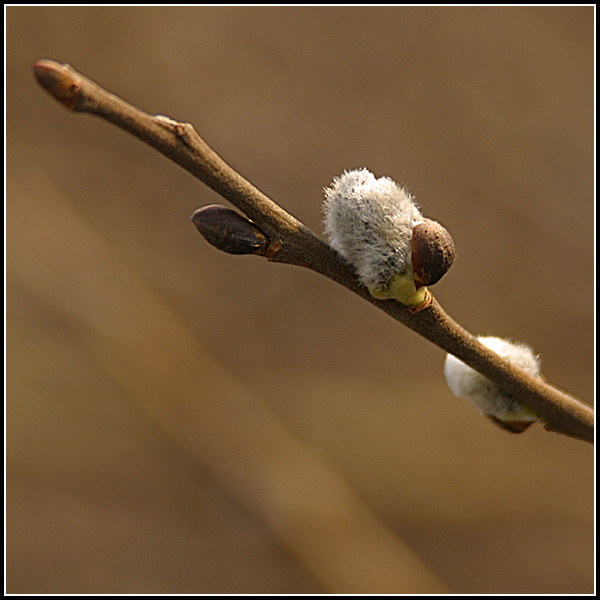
[57, 81]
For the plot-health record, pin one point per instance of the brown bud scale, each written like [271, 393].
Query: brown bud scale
[229, 231]
[58, 82]
[432, 252]
[511, 426]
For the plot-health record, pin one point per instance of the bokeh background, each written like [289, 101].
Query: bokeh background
[184, 421]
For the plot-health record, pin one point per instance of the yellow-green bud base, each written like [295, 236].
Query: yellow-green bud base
[401, 288]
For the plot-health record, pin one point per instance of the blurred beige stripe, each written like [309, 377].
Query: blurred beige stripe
[143, 345]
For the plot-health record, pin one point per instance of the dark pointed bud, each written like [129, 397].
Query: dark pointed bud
[229, 231]
[432, 252]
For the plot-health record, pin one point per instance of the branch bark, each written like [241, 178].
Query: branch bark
[291, 242]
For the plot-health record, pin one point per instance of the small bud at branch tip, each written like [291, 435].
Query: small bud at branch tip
[52, 76]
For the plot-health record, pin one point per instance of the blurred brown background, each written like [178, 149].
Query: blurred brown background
[181, 420]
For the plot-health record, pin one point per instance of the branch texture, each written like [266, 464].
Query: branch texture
[291, 242]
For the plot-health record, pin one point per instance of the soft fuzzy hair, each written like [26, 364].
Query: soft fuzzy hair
[369, 222]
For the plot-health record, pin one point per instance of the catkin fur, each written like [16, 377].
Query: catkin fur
[370, 222]
[467, 383]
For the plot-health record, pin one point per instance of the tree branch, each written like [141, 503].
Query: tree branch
[291, 242]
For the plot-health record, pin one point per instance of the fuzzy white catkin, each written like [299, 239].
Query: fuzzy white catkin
[486, 395]
[370, 223]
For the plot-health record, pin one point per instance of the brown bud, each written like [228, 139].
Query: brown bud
[229, 231]
[58, 81]
[432, 252]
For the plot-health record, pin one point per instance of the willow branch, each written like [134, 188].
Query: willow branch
[293, 243]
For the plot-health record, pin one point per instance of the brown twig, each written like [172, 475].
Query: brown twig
[293, 243]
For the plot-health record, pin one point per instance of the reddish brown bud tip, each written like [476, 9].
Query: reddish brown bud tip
[229, 231]
[432, 252]
[54, 78]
